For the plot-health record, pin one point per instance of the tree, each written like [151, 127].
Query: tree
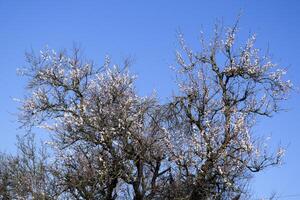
[102, 128]
[27, 175]
[223, 90]
[109, 143]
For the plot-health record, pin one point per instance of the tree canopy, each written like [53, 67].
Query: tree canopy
[109, 143]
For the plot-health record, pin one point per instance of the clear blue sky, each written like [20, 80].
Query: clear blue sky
[146, 31]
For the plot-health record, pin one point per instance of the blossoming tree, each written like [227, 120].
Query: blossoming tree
[223, 89]
[109, 143]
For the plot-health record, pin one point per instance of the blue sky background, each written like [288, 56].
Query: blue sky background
[146, 31]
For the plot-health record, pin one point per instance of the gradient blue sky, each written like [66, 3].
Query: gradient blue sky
[146, 31]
